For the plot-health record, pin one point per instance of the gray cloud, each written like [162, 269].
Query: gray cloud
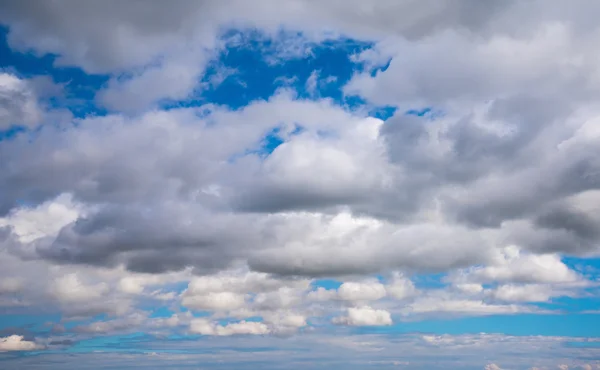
[166, 190]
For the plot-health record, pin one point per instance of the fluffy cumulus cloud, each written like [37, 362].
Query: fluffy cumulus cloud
[17, 343]
[365, 316]
[205, 327]
[241, 172]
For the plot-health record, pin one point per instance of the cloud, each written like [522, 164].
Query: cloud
[170, 28]
[173, 80]
[215, 301]
[167, 207]
[441, 303]
[18, 103]
[398, 287]
[351, 291]
[70, 289]
[205, 327]
[16, 343]
[523, 293]
[520, 267]
[364, 316]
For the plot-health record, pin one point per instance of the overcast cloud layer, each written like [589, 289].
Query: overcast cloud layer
[140, 207]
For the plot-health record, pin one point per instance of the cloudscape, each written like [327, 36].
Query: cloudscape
[299, 184]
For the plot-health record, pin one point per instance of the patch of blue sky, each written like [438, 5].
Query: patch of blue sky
[246, 71]
[161, 312]
[588, 302]
[196, 313]
[326, 284]
[381, 68]
[429, 281]
[418, 112]
[158, 312]
[589, 267]
[112, 343]
[32, 322]
[383, 113]
[583, 344]
[11, 133]
[273, 139]
[226, 321]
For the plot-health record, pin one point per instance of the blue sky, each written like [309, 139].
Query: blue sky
[393, 185]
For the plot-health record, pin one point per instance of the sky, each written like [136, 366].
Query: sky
[299, 184]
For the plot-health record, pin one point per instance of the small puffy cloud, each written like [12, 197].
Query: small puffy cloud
[207, 327]
[283, 323]
[523, 293]
[517, 266]
[492, 366]
[400, 287]
[286, 319]
[364, 316]
[366, 291]
[513, 265]
[16, 343]
[70, 289]
[283, 297]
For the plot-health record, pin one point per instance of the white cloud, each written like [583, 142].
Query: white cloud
[286, 319]
[514, 265]
[469, 288]
[400, 287]
[364, 316]
[522, 293]
[16, 343]
[367, 291]
[206, 327]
